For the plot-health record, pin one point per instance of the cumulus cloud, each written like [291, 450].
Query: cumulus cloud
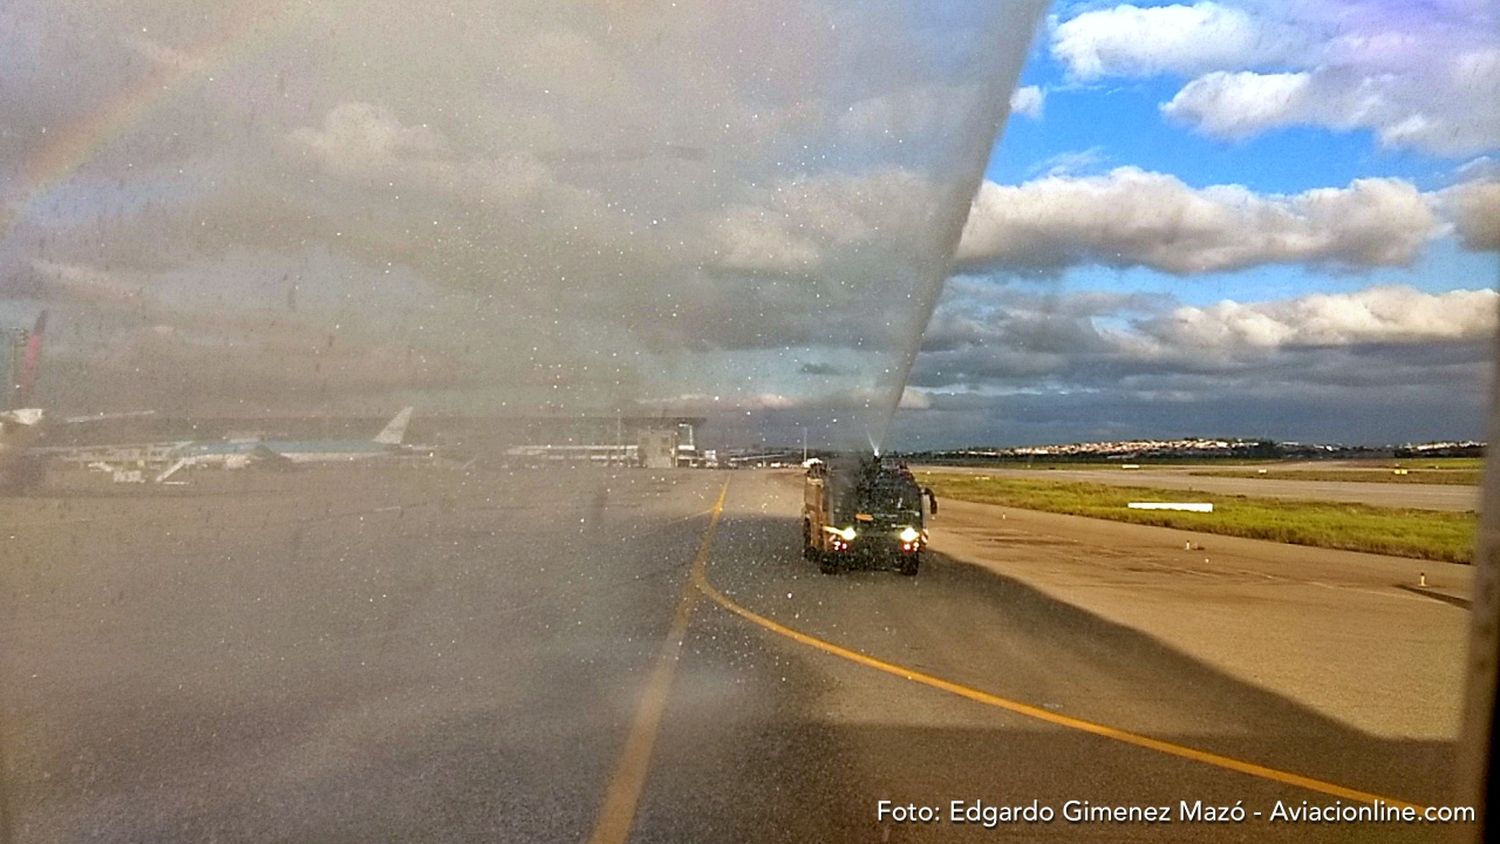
[757, 403]
[1244, 103]
[1004, 363]
[986, 335]
[740, 402]
[574, 235]
[353, 208]
[367, 142]
[1126, 217]
[1132, 217]
[921, 116]
[1028, 101]
[357, 136]
[1425, 78]
[160, 53]
[1474, 207]
[1402, 112]
[796, 224]
[1132, 41]
[1069, 163]
[126, 339]
[1375, 315]
[1214, 406]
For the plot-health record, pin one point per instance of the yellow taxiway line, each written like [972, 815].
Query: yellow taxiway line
[618, 811]
[617, 814]
[1040, 714]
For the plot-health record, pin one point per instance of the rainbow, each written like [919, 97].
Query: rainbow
[75, 144]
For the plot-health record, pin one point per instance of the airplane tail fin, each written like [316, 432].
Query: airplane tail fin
[31, 358]
[395, 430]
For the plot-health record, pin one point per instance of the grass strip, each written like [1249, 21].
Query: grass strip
[1423, 534]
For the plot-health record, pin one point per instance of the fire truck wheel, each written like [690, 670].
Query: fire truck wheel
[909, 564]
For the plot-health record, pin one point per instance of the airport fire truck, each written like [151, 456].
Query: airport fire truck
[863, 512]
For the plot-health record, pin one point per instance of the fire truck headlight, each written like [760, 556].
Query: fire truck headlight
[847, 534]
[909, 535]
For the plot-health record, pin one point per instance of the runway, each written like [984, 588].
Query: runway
[1416, 496]
[560, 655]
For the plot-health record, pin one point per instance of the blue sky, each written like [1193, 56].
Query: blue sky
[1305, 194]
[1119, 122]
[1123, 123]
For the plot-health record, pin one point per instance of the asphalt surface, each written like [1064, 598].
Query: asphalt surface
[1417, 496]
[364, 654]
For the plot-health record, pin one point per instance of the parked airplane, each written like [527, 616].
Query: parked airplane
[21, 464]
[237, 454]
[21, 426]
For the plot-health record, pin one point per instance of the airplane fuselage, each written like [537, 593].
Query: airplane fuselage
[295, 451]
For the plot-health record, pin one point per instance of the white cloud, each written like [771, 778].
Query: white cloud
[1078, 359]
[595, 227]
[1132, 217]
[1243, 103]
[359, 134]
[366, 141]
[911, 115]
[796, 223]
[1069, 163]
[1474, 207]
[1426, 78]
[1481, 168]
[1028, 101]
[1375, 315]
[705, 403]
[1448, 112]
[1133, 41]
[160, 53]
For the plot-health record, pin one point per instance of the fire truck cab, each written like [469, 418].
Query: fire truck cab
[862, 513]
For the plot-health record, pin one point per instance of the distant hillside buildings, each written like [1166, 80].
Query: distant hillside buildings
[1206, 447]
